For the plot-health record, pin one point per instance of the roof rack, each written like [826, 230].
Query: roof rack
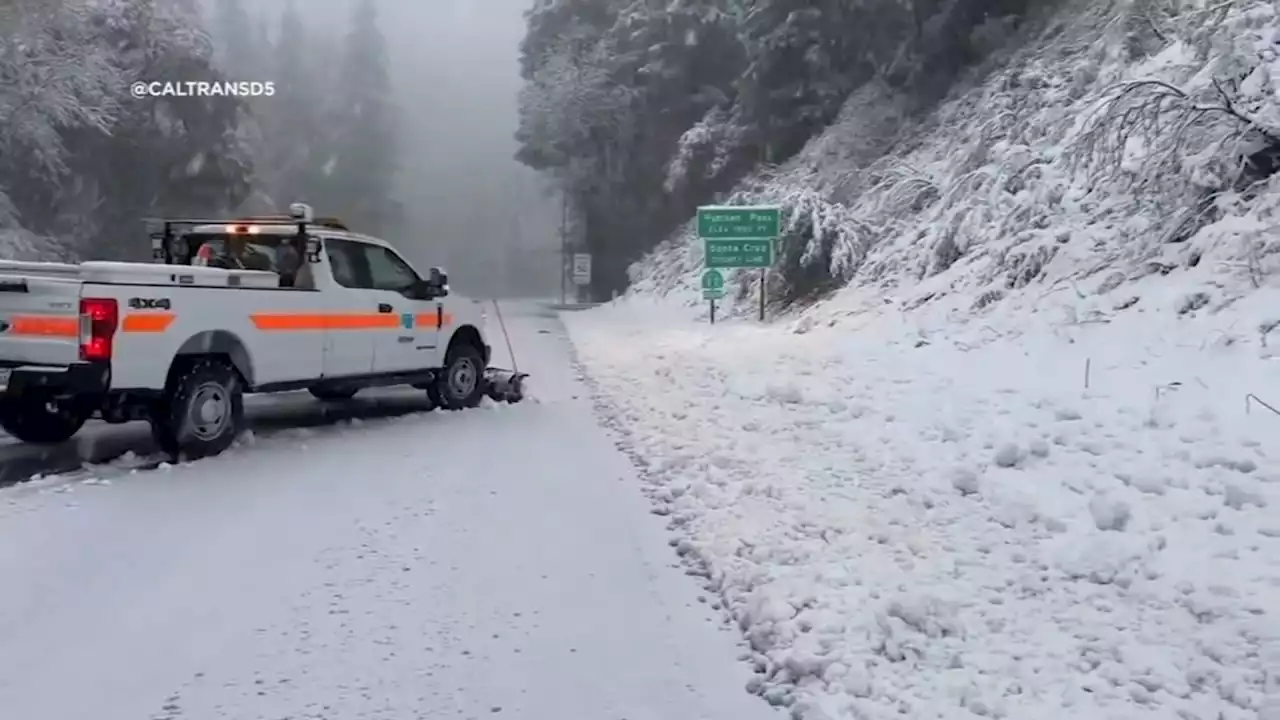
[300, 217]
[332, 223]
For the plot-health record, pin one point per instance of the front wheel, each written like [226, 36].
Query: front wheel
[461, 385]
[39, 420]
[202, 413]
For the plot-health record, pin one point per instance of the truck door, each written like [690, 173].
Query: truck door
[352, 328]
[411, 343]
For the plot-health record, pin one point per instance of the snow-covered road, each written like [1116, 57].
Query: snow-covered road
[496, 563]
[98, 443]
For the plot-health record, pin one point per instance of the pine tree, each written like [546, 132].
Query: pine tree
[360, 173]
[237, 53]
[293, 116]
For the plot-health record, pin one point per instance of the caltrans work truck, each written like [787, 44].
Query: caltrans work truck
[229, 307]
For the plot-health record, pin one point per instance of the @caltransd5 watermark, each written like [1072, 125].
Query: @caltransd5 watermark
[202, 88]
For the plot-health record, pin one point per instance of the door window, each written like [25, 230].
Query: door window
[347, 264]
[387, 270]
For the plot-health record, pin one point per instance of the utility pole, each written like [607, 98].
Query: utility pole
[564, 245]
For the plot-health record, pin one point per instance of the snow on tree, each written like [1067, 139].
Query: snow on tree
[567, 109]
[718, 89]
[52, 76]
[1150, 145]
[80, 159]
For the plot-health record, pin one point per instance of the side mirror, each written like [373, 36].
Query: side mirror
[438, 281]
[423, 290]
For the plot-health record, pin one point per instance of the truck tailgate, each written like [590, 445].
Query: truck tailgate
[39, 320]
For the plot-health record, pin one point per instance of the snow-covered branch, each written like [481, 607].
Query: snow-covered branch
[571, 109]
[52, 77]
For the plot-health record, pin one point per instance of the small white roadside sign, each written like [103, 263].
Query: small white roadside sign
[581, 268]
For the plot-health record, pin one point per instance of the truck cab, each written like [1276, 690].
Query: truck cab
[249, 305]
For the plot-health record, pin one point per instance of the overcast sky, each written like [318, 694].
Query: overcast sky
[458, 64]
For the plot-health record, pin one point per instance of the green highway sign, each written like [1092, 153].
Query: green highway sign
[730, 254]
[712, 285]
[737, 237]
[739, 223]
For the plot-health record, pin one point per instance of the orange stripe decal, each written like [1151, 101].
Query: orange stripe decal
[45, 326]
[275, 322]
[428, 320]
[362, 321]
[147, 322]
[301, 322]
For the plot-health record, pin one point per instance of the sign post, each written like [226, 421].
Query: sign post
[712, 289]
[739, 237]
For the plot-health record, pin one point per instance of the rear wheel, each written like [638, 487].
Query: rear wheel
[202, 412]
[461, 385]
[40, 420]
[333, 394]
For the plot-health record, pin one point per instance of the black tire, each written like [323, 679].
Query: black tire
[461, 384]
[333, 394]
[178, 425]
[33, 419]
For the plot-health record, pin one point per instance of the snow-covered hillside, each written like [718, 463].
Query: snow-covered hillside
[1020, 463]
[1110, 143]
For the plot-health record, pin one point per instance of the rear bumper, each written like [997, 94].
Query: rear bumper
[77, 379]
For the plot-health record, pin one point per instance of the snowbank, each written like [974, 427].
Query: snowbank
[1062, 512]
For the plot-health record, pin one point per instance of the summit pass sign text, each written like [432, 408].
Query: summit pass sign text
[202, 88]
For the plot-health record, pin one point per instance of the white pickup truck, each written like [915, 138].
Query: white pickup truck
[178, 342]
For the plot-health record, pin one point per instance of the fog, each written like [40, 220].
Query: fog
[471, 208]
[457, 64]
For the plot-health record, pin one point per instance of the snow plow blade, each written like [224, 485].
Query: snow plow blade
[504, 385]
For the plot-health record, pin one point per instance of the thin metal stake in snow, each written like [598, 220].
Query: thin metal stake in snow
[1251, 398]
[1088, 362]
[502, 324]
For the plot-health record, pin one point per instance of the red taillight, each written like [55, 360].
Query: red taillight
[98, 320]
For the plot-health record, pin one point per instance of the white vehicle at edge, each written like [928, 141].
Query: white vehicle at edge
[178, 344]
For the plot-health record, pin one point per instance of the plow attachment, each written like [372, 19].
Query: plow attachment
[504, 385]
